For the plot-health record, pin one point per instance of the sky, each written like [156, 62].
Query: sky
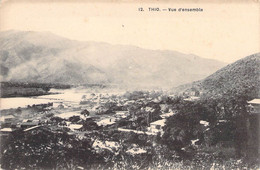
[224, 31]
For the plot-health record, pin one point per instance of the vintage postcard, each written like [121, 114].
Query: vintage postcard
[151, 84]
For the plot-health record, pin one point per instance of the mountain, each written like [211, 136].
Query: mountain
[47, 58]
[241, 77]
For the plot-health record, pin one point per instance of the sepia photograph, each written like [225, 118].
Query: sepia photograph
[126, 85]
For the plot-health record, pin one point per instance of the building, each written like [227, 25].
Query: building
[121, 114]
[166, 115]
[192, 98]
[106, 121]
[157, 126]
[254, 106]
[6, 130]
[7, 121]
[27, 123]
[253, 128]
[192, 92]
[74, 127]
[68, 115]
[164, 108]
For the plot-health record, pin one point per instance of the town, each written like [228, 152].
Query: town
[133, 121]
[104, 110]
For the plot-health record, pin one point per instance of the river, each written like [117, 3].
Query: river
[68, 95]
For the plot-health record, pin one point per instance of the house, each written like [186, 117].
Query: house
[204, 123]
[157, 126]
[253, 130]
[254, 106]
[43, 105]
[60, 105]
[166, 115]
[7, 119]
[100, 146]
[164, 108]
[57, 105]
[192, 98]
[68, 115]
[100, 109]
[135, 150]
[6, 130]
[121, 114]
[106, 122]
[27, 123]
[74, 127]
[149, 109]
[192, 92]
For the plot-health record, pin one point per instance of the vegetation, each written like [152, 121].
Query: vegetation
[45, 150]
[15, 89]
[239, 78]
[35, 85]
[210, 132]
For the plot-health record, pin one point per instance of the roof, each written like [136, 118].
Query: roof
[6, 130]
[192, 98]
[135, 131]
[2, 118]
[9, 116]
[254, 101]
[135, 151]
[203, 122]
[159, 122]
[31, 120]
[31, 128]
[121, 112]
[107, 121]
[70, 114]
[109, 145]
[75, 126]
[167, 115]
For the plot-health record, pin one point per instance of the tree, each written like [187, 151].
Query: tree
[43, 149]
[90, 124]
[85, 112]
[74, 119]
[184, 126]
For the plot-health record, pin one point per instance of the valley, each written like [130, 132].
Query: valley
[67, 104]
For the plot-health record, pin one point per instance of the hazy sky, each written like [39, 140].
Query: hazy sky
[227, 31]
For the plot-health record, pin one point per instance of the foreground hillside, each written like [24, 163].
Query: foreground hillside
[46, 58]
[241, 77]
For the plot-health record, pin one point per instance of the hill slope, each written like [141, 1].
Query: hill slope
[44, 57]
[241, 77]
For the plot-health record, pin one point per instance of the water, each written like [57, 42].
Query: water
[15, 102]
[69, 95]
[64, 96]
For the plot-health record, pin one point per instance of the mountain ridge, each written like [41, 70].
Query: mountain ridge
[42, 57]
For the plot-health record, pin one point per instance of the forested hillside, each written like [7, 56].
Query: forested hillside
[239, 78]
